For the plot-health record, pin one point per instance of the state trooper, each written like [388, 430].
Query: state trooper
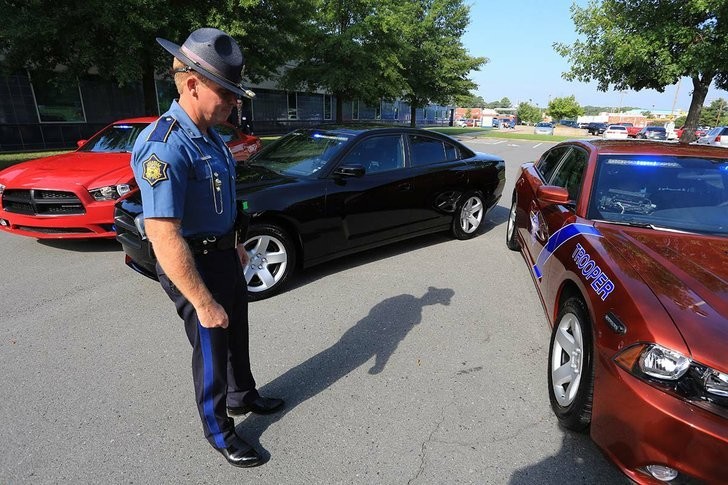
[187, 179]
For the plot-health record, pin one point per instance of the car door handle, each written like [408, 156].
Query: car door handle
[404, 186]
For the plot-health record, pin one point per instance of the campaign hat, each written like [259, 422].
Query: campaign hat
[213, 54]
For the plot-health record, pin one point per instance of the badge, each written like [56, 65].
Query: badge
[154, 170]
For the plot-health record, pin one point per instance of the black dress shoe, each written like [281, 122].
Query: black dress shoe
[259, 405]
[241, 454]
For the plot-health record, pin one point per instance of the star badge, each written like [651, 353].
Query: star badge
[155, 170]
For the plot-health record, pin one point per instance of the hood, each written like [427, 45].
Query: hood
[88, 169]
[252, 178]
[688, 273]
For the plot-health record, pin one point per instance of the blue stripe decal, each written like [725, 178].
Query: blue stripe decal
[557, 239]
[207, 404]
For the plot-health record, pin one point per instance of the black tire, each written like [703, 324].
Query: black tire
[272, 260]
[469, 215]
[572, 401]
[511, 232]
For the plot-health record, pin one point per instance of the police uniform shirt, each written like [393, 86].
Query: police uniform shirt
[184, 174]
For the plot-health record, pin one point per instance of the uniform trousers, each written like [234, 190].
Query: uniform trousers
[220, 356]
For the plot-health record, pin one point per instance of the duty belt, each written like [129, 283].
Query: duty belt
[205, 244]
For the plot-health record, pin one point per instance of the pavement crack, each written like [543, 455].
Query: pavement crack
[422, 448]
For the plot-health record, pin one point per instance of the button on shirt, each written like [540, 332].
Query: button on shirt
[184, 174]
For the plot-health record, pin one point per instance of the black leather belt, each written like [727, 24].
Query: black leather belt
[203, 245]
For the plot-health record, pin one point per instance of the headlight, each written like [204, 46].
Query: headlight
[110, 192]
[663, 363]
[677, 374]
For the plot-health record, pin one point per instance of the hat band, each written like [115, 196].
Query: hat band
[204, 64]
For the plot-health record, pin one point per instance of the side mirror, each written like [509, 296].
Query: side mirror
[350, 171]
[552, 194]
[79, 143]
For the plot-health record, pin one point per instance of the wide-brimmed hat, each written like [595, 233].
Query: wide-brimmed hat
[213, 54]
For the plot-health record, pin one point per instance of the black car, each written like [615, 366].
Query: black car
[319, 194]
[652, 133]
[595, 128]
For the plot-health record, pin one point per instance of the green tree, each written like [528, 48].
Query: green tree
[528, 112]
[118, 36]
[644, 44]
[564, 108]
[505, 103]
[470, 101]
[350, 49]
[716, 114]
[434, 63]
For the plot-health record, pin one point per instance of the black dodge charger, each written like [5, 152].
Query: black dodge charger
[318, 194]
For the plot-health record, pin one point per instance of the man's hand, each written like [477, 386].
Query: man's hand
[212, 315]
[243, 255]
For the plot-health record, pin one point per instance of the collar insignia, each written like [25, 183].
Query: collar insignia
[155, 170]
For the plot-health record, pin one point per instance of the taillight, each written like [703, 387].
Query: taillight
[717, 139]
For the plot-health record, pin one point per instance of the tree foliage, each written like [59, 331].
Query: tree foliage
[528, 112]
[434, 65]
[118, 36]
[716, 114]
[564, 108]
[470, 101]
[648, 44]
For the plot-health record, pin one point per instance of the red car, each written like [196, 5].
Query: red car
[627, 244]
[72, 195]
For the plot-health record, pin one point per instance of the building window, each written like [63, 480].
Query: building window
[58, 98]
[355, 109]
[328, 106]
[292, 106]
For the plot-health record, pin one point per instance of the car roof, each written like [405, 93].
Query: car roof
[644, 147]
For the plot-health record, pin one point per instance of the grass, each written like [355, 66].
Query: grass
[8, 159]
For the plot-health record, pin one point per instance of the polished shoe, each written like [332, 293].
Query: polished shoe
[259, 405]
[241, 454]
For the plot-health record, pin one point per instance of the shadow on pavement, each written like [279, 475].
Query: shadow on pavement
[376, 335]
[83, 245]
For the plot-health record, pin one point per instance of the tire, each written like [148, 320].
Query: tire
[272, 256]
[469, 215]
[571, 366]
[511, 233]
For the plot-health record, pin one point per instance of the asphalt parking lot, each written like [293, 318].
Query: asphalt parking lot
[423, 362]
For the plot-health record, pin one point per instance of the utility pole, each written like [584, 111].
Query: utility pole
[720, 111]
[674, 101]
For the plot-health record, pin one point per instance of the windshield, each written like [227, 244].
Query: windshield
[679, 193]
[115, 138]
[301, 153]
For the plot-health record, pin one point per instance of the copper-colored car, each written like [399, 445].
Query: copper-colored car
[627, 243]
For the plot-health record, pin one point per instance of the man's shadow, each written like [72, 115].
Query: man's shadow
[376, 335]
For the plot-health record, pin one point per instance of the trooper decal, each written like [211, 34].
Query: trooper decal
[559, 238]
[602, 285]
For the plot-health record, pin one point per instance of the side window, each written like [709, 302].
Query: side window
[377, 154]
[550, 161]
[571, 172]
[425, 150]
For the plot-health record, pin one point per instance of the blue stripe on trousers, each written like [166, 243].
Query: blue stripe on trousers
[207, 380]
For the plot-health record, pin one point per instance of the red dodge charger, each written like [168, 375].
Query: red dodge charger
[72, 195]
[627, 244]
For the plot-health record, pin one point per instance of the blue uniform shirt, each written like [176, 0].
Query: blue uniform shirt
[185, 175]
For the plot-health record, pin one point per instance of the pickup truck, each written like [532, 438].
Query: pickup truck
[633, 130]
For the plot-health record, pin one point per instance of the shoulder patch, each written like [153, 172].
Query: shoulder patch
[155, 170]
[162, 128]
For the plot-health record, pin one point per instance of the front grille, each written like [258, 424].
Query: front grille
[42, 202]
[55, 230]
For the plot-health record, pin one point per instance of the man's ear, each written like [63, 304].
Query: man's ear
[192, 83]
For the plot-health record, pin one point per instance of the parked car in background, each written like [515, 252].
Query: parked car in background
[318, 194]
[595, 128]
[614, 132]
[543, 128]
[583, 125]
[633, 130]
[652, 133]
[569, 123]
[718, 136]
[699, 131]
[627, 246]
[72, 195]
